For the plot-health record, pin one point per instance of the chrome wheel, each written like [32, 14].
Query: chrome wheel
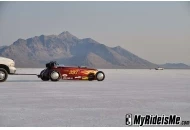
[54, 76]
[100, 76]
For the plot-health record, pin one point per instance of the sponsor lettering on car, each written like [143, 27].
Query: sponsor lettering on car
[64, 76]
[78, 77]
[73, 71]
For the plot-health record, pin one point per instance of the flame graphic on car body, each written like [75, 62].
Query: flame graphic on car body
[89, 71]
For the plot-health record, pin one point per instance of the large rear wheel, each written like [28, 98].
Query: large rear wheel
[3, 75]
[44, 75]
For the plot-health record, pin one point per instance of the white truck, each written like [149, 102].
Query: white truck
[7, 66]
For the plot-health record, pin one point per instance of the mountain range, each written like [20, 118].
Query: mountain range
[175, 66]
[67, 49]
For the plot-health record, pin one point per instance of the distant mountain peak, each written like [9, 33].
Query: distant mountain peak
[66, 35]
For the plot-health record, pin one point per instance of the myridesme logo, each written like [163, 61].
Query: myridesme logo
[152, 120]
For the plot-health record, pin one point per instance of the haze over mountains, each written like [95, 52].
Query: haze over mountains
[70, 50]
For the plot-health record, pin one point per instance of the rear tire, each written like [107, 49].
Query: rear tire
[44, 77]
[54, 76]
[100, 76]
[3, 75]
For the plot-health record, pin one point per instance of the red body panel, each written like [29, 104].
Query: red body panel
[74, 73]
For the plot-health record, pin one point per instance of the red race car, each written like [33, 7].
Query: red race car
[55, 72]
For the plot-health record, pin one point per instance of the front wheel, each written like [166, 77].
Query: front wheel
[3, 75]
[100, 76]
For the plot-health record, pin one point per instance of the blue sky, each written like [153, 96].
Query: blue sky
[156, 31]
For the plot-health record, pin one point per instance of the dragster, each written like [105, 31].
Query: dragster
[53, 72]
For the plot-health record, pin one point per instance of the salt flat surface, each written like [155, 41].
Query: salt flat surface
[28, 101]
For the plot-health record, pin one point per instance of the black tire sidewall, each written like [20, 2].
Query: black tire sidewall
[44, 78]
[6, 75]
